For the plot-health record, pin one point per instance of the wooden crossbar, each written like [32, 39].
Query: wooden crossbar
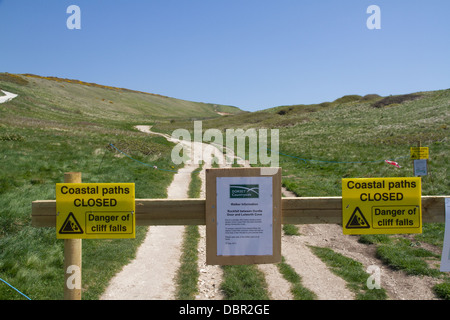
[304, 210]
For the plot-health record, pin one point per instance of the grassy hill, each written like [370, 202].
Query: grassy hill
[351, 137]
[61, 125]
[67, 101]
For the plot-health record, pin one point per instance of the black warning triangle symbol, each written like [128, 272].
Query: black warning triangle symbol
[357, 220]
[71, 226]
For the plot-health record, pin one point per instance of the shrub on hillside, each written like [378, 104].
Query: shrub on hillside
[369, 97]
[395, 100]
[7, 77]
[11, 137]
[349, 98]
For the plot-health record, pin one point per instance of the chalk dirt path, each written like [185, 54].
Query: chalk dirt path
[7, 97]
[151, 275]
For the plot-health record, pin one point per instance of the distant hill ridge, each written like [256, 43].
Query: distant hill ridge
[90, 84]
[55, 98]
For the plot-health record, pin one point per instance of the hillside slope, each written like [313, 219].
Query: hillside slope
[65, 100]
[55, 126]
[351, 137]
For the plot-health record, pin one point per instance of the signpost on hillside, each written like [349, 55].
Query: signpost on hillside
[95, 211]
[90, 211]
[72, 255]
[420, 156]
[418, 153]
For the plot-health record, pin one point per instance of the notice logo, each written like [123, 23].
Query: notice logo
[244, 191]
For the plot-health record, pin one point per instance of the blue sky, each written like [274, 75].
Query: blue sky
[254, 54]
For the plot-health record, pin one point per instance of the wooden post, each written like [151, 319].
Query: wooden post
[72, 255]
[419, 145]
[181, 212]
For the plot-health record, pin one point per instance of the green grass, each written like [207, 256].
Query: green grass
[432, 233]
[298, 291]
[239, 282]
[57, 126]
[408, 255]
[375, 238]
[196, 184]
[351, 138]
[290, 230]
[352, 272]
[244, 282]
[405, 254]
[442, 290]
[31, 259]
[187, 274]
[103, 259]
[72, 100]
[42, 136]
[406, 258]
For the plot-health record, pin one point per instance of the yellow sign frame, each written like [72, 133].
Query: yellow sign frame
[95, 211]
[382, 205]
[419, 153]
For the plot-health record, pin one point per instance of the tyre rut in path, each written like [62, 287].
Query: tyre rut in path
[150, 276]
[398, 285]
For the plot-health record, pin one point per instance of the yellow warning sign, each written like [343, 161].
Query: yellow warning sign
[418, 153]
[71, 226]
[382, 205]
[357, 220]
[95, 211]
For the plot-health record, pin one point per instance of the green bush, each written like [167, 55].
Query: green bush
[12, 137]
[395, 100]
[442, 290]
[407, 258]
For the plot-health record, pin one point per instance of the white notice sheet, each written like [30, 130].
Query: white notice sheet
[244, 216]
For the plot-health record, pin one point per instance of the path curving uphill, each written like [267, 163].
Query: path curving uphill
[7, 97]
[147, 278]
[151, 275]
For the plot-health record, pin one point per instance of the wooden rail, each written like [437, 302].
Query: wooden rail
[315, 210]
